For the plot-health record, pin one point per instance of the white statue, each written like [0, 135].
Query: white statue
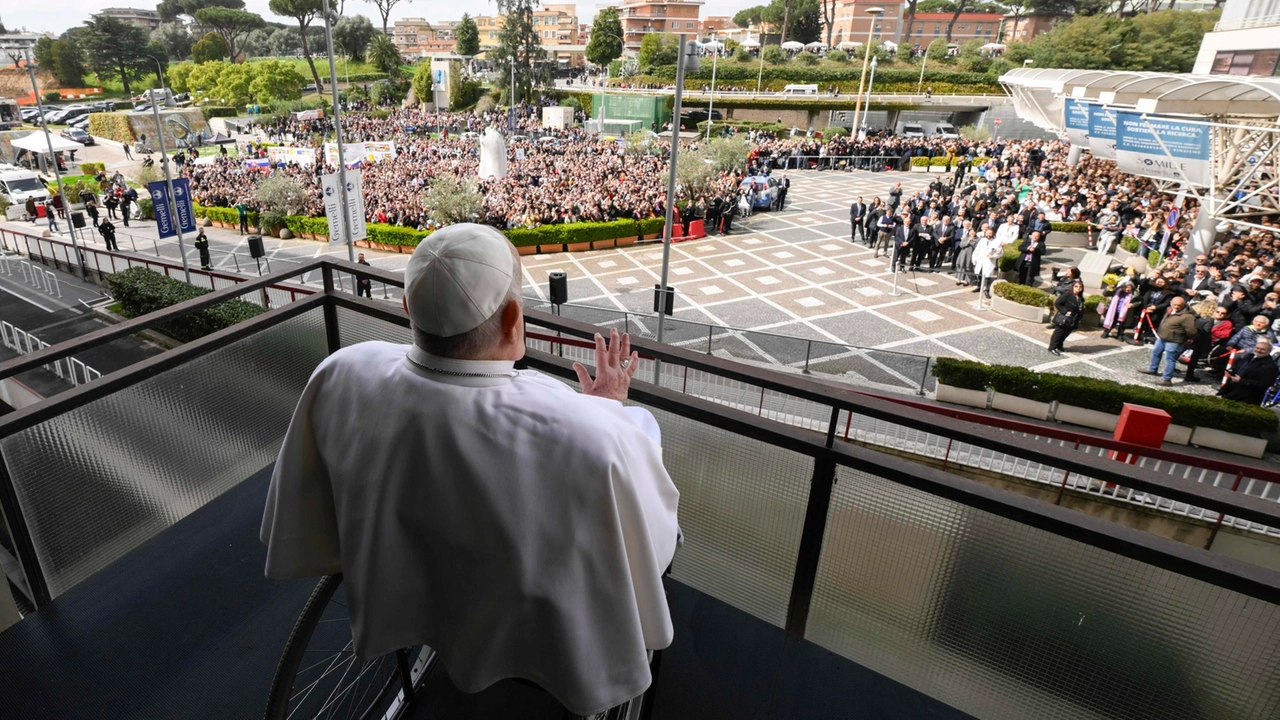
[493, 154]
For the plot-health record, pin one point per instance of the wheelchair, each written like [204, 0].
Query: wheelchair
[318, 675]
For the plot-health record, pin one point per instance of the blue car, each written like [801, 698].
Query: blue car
[766, 190]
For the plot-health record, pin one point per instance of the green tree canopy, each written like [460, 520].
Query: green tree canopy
[1166, 41]
[519, 46]
[231, 24]
[274, 80]
[63, 58]
[116, 50]
[178, 75]
[174, 38]
[353, 32]
[304, 12]
[211, 47]
[658, 49]
[468, 36]
[773, 54]
[605, 44]
[384, 9]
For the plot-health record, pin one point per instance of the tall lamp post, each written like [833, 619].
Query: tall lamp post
[172, 201]
[344, 219]
[683, 58]
[875, 14]
[604, 89]
[712, 101]
[31, 69]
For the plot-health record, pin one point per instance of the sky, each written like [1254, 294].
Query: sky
[62, 14]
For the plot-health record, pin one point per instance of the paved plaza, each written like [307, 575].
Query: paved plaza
[796, 273]
[792, 278]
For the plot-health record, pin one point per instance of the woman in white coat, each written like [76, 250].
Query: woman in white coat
[986, 260]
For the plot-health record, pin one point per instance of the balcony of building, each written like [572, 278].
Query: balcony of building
[846, 554]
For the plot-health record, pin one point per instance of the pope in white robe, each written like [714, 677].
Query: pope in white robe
[516, 526]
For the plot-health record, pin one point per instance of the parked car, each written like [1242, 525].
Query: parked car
[75, 134]
[309, 88]
[765, 188]
[31, 114]
[81, 122]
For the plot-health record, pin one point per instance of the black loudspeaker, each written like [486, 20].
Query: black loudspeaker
[255, 247]
[77, 219]
[558, 287]
[671, 299]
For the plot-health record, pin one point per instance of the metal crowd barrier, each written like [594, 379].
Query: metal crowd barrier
[25, 343]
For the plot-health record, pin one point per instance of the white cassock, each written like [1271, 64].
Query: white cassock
[517, 527]
[986, 256]
[493, 155]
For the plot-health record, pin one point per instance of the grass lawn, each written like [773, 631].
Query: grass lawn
[322, 66]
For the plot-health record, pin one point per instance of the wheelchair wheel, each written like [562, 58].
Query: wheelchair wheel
[319, 677]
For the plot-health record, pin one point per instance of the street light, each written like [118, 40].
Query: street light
[604, 89]
[164, 163]
[875, 14]
[31, 69]
[712, 100]
[344, 214]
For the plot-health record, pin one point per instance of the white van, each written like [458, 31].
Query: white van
[799, 90]
[910, 130]
[943, 130]
[16, 185]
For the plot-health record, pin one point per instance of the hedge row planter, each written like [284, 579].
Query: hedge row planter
[939, 169]
[1020, 406]
[1073, 415]
[1178, 434]
[1009, 308]
[1229, 442]
[960, 396]
[919, 168]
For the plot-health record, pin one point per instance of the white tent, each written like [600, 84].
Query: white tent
[791, 45]
[992, 46]
[750, 43]
[848, 45]
[36, 143]
[713, 46]
[814, 46]
[890, 44]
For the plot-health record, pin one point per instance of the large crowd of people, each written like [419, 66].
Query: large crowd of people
[1002, 194]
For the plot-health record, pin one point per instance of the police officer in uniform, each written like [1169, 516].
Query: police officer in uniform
[108, 232]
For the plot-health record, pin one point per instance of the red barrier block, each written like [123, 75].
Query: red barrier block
[697, 231]
[1140, 426]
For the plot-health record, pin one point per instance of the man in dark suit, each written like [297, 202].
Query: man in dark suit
[940, 248]
[1252, 375]
[1041, 225]
[905, 237]
[784, 185]
[714, 209]
[857, 215]
[895, 197]
[1030, 251]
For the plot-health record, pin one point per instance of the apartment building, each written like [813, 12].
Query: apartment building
[645, 16]
[555, 24]
[1026, 27]
[932, 26]
[147, 19]
[717, 24]
[852, 23]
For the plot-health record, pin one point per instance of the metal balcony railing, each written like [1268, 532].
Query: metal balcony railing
[997, 604]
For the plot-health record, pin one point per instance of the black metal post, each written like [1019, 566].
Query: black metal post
[330, 313]
[23, 545]
[815, 527]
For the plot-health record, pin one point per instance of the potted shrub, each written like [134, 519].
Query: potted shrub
[280, 196]
[1069, 234]
[939, 165]
[919, 164]
[1127, 248]
[1021, 302]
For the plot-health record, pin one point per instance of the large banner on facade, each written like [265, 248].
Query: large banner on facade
[1075, 118]
[295, 155]
[1102, 132]
[1162, 148]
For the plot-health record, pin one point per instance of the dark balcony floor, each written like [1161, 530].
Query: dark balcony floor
[186, 626]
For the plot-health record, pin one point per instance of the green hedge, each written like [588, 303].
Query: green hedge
[1009, 259]
[385, 234]
[1069, 227]
[140, 291]
[228, 216]
[744, 125]
[1107, 395]
[92, 168]
[1130, 243]
[215, 111]
[920, 161]
[363, 77]
[1023, 294]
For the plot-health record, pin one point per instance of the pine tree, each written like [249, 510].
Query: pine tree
[468, 36]
[519, 44]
